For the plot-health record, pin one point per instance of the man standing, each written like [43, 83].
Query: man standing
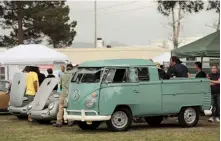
[198, 68]
[65, 83]
[60, 75]
[32, 85]
[215, 91]
[51, 75]
[41, 76]
[176, 68]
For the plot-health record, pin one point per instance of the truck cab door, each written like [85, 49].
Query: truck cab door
[150, 97]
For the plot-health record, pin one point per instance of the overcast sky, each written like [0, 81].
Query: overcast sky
[133, 23]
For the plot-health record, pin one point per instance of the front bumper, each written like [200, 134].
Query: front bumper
[18, 110]
[83, 116]
[45, 114]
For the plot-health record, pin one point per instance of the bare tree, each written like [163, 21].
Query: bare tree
[177, 9]
[215, 5]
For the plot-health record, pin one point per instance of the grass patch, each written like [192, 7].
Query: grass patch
[13, 129]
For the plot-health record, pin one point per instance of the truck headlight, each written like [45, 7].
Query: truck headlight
[51, 106]
[90, 103]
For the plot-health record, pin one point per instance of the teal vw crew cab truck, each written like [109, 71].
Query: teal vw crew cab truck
[115, 91]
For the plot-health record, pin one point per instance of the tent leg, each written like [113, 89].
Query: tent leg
[202, 60]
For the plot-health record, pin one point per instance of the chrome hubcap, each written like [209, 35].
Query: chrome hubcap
[189, 115]
[119, 119]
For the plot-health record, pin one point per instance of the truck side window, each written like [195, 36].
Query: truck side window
[143, 74]
[108, 75]
[132, 75]
[120, 76]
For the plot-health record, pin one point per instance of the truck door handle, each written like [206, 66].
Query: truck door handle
[135, 91]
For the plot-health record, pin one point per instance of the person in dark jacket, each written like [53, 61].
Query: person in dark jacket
[41, 76]
[177, 69]
[215, 91]
[51, 75]
[198, 68]
[161, 72]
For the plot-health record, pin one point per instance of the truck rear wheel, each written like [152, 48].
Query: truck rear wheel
[188, 116]
[154, 121]
[121, 120]
[85, 126]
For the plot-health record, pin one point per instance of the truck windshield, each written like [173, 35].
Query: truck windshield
[88, 75]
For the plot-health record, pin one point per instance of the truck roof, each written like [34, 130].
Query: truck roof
[118, 62]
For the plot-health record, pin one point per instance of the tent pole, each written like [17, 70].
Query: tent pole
[202, 59]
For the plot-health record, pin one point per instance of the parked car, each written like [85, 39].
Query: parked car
[117, 90]
[44, 107]
[4, 95]
[18, 102]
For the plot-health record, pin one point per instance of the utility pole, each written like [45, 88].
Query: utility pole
[95, 23]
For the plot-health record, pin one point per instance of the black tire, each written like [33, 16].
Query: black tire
[85, 126]
[22, 117]
[154, 121]
[181, 117]
[126, 125]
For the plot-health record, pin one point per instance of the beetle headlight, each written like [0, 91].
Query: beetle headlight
[90, 103]
[29, 106]
[51, 106]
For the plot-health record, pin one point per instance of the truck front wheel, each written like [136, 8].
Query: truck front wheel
[154, 121]
[85, 126]
[188, 116]
[120, 120]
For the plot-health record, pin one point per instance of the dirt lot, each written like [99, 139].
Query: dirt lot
[12, 129]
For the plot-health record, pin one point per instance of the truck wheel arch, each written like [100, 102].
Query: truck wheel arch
[197, 107]
[123, 106]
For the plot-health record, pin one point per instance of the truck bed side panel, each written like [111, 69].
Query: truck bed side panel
[179, 93]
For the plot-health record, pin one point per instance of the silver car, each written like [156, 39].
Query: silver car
[44, 107]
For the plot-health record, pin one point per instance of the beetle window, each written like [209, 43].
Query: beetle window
[143, 74]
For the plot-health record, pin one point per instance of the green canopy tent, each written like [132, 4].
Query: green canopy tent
[208, 46]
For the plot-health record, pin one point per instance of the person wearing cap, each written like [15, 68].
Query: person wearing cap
[32, 85]
[177, 69]
[65, 78]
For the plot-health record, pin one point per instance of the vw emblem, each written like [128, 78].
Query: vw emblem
[76, 94]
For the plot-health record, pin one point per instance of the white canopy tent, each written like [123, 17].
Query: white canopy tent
[165, 57]
[32, 54]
